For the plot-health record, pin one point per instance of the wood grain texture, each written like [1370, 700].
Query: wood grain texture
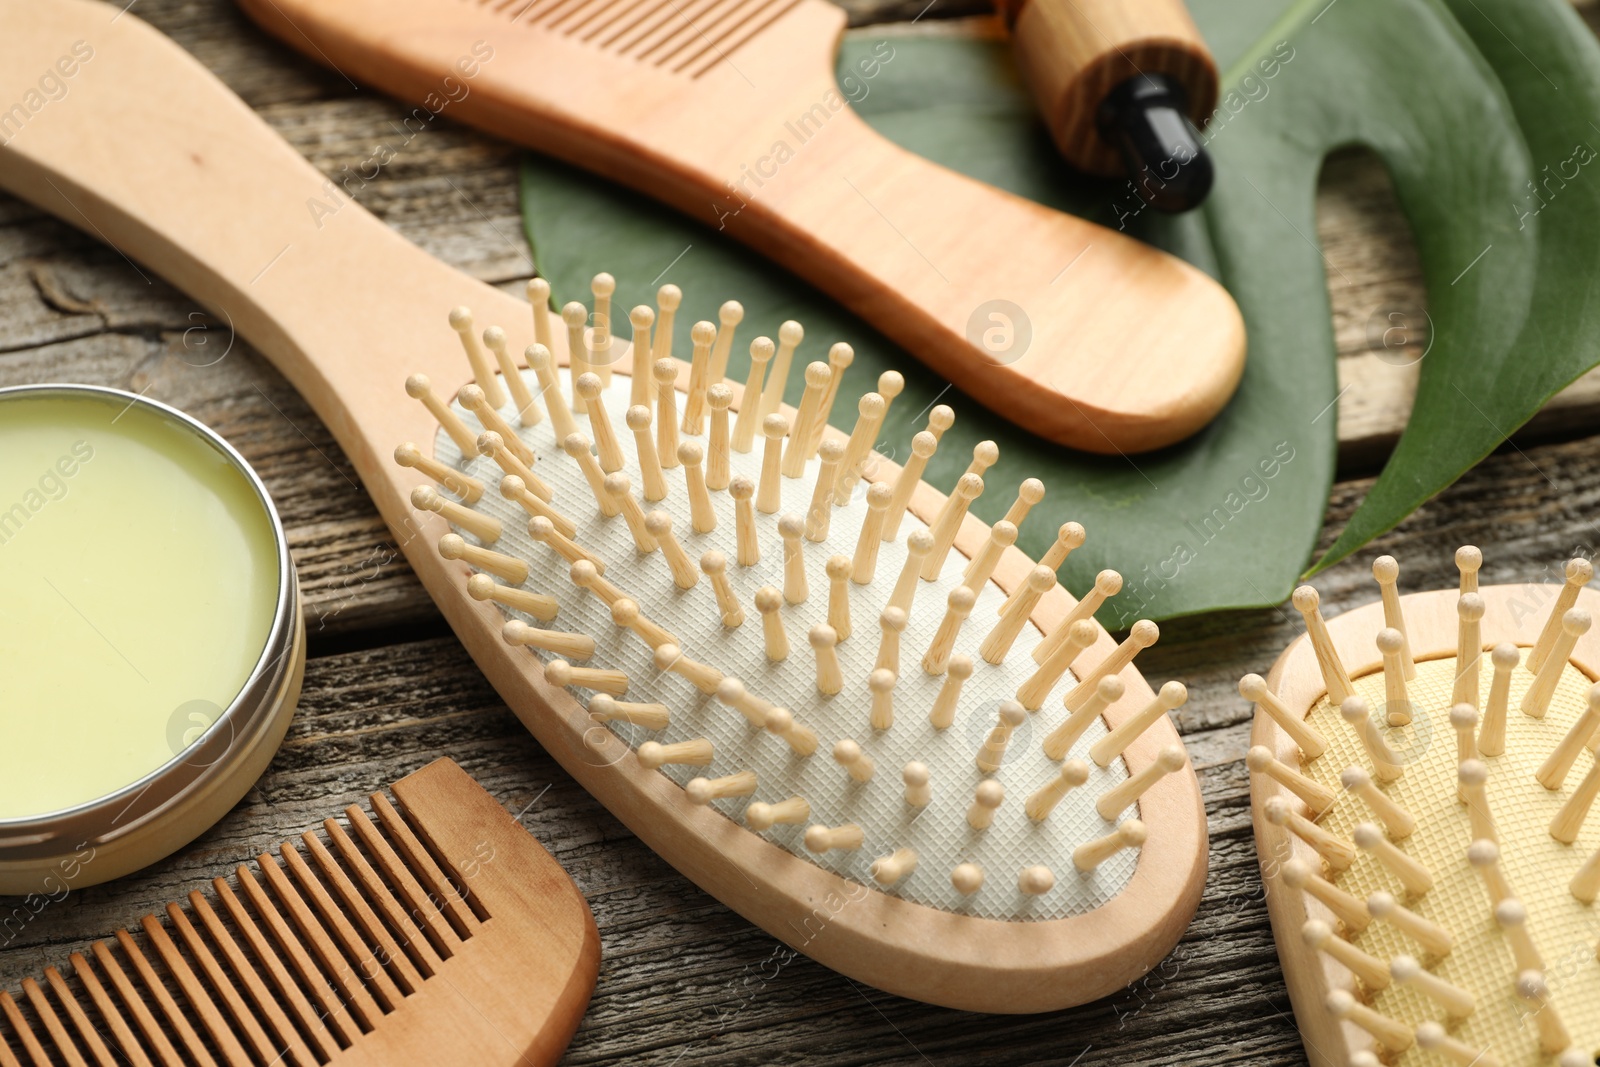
[683, 979]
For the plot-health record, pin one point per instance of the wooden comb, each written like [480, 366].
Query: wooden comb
[1429, 873]
[438, 932]
[343, 305]
[1132, 349]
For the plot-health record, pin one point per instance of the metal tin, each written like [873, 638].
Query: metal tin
[47, 855]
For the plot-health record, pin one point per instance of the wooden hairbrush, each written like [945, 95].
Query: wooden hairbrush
[436, 931]
[689, 103]
[1429, 871]
[1065, 907]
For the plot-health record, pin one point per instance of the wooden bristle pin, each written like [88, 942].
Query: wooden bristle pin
[891, 624]
[1433, 1038]
[923, 446]
[795, 587]
[967, 878]
[729, 315]
[1346, 908]
[1574, 624]
[802, 740]
[958, 605]
[792, 812]
[891, 383]
[577, 446]
[1458, 1002]
[1059, 742]
[625, 613]
[538, 293]
[1585, 885]
[538, 605]
[986, 800]
[1512, 918]
[1568, 822]
[702, 335]
[999, 640]
[985, 454]
[600, 679]
[881, 683]
[576, 319]
[1469, 649]
[600, 428]
[482, 372]
[1042, 801]
[659, 525]
[1254, 688]
[641, 319]
[865, 562]
[1336, 852]
[606, 708]
[790, 334]
[1468, 561]
[1433, 938]
[702, 516]
[1091, 854]
[1579, 572]
[522, 398]
[1553, 772]
[1492, 735]
[466, 488]
[1371, 971]
[869, 418]
[943, 712]
[918, 544]
[620, 489]
[732, 692]
[602, 286]
[1029, 493]
[824, 641]
[543, 529]
[586, 574]
[702, 791]
[1032, 693]
[948, 523]
[769, 492]
[992, 753]
[744, 428]
[1108, 583]
[838, 570]
[1484, 857]
[915, 776]
[1002, 535]
[1385, 764]
[491, 444]
[516, 490]
[1307, 602]
[482, 527]
[1396, 701]
[556, 642]
[857, 763]
[846, 838]
[668, 299]
[769, 602]
[1396, 820]
[665, 373]
[703, 677]
[1035, 881]
[719, 462]
[1392, 1035]
[797, 452]
[696, 753]
[654, 481]
[747, 549]
[819, 513]
[840, 357]
[895, 867]
[1386, 571]
[715, 566]
[1114, 801]
[1317, 797]
[419, 388]
[1071, 536]
[1553, 1035]
[1413, 876]
[1170, 697]
[1473, 777]
[1464, 720]
[1141, 636]
[508, 569]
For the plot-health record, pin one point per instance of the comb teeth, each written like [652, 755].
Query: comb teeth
[290, 961]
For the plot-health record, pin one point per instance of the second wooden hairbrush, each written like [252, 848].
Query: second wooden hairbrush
[1422, 782]
[1033, 859]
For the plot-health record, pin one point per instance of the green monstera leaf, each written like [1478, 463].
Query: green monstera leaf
[1227, 519]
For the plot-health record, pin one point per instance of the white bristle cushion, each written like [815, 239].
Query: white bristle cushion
[939, 833]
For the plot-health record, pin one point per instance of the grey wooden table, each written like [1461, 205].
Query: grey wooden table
[685, 981]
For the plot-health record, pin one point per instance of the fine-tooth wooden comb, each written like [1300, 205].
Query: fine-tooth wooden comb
[1131, 349]
[434, 931]
[880, 797]
[1422, 771]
